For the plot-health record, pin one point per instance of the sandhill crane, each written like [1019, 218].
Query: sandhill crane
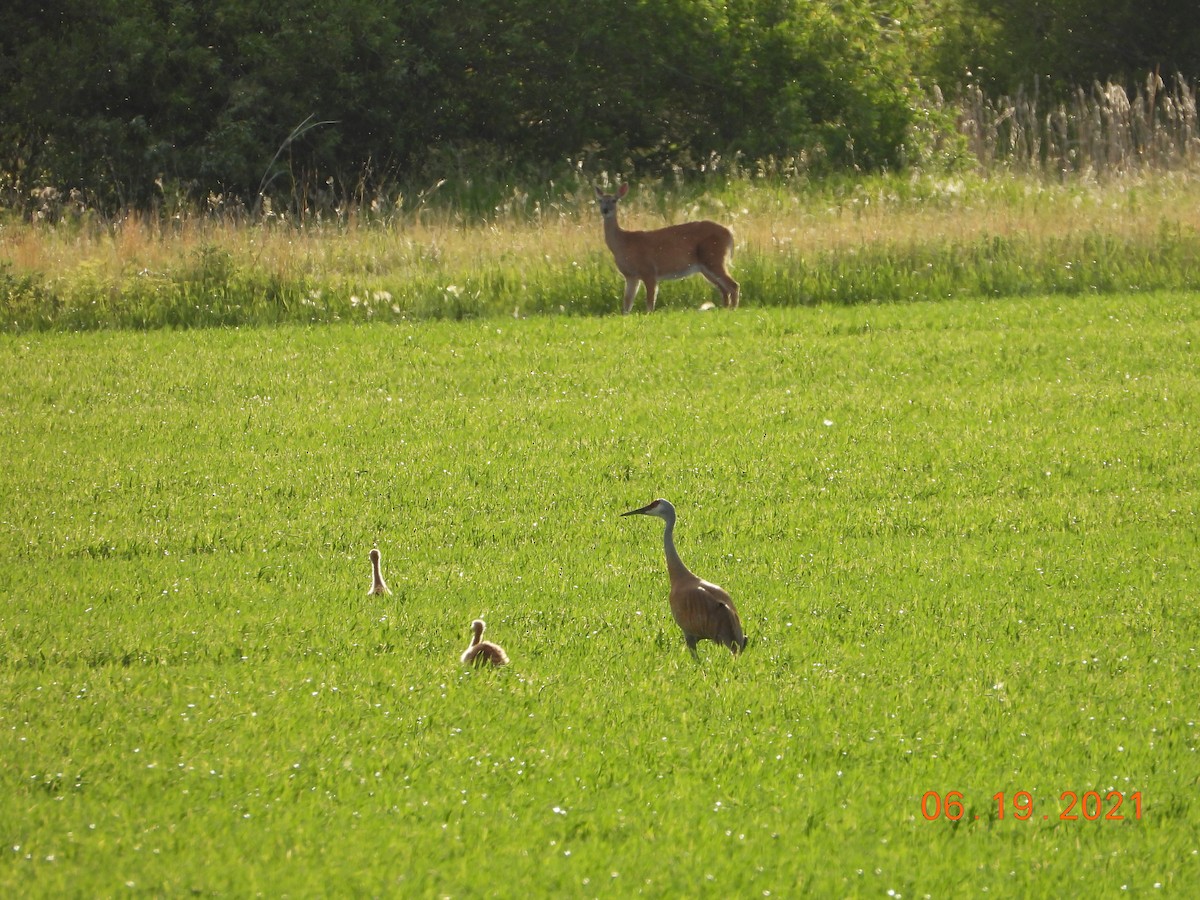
[482, 652]
[377, 584]
[702, 609]
[676, 251]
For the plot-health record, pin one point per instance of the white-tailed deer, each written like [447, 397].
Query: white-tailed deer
[676, 251]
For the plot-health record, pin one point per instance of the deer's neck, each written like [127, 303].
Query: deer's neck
[614, 234]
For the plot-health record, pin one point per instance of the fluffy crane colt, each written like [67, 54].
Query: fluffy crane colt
[378, 586]
[481, 652]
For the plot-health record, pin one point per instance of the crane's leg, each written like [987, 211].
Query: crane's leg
[691, 645]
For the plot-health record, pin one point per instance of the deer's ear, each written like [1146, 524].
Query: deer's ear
[599, 194]
[623, 190]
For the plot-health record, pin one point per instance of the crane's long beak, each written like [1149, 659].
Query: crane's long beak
[642, 512]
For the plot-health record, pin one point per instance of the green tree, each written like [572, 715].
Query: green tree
[308, 99]
[1006, 44]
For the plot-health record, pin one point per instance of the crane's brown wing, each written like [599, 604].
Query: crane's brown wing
[705, 610]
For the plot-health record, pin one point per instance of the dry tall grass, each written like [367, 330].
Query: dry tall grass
[766, 218]
[1106, 166]
[1122, 163]
[1102, 132]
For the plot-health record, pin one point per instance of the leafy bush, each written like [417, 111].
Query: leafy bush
[314, 101]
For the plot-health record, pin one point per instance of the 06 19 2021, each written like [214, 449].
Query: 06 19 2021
[1091, 806]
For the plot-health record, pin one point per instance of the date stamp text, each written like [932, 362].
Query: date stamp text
[1092, 806]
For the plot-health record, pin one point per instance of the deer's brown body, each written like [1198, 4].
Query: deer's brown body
[648, 257]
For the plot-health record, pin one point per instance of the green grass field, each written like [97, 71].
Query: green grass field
[963, 538]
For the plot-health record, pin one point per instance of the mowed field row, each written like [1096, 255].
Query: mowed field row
[962, 537]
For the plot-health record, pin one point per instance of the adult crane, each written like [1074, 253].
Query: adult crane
[703, 610]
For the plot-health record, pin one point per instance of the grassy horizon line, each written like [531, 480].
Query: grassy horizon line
[800, 242]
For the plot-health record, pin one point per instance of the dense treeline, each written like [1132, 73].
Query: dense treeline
[1062, 45]
[141, 102]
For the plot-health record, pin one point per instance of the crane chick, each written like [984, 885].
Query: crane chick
[481, 652]
[702, 609]
[377, 584]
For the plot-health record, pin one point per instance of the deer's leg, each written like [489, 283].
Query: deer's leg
[727, 286]
[651, 293]
[631, 288]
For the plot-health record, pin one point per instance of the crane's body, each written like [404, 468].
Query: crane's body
[703, 610]
[482, 652]
[377, 584]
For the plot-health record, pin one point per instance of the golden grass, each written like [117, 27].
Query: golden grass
[768, 218]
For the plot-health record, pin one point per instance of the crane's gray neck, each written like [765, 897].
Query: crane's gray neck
[675, 566]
